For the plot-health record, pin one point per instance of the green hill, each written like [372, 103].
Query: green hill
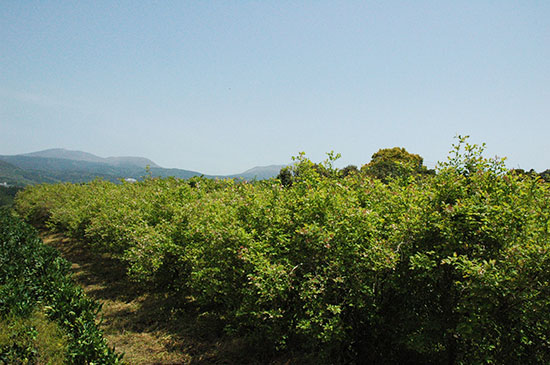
[16, 176]
[61, 153]
[29, 169]
[60, 165]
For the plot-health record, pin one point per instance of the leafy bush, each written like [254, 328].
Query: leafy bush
[7, 194]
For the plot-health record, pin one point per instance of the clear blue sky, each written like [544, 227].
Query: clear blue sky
[222, 86]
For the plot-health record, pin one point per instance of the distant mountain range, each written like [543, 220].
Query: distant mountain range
[61, 153]
[61, 165]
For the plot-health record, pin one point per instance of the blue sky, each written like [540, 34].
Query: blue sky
[222, 86]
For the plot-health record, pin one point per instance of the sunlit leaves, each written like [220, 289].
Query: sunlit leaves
[427, 268]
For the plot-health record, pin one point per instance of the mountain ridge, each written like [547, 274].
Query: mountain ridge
[62, 165]
[74, 155]
[260, 172]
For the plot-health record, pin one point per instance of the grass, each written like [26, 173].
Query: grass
[34, 339]
[144, 325]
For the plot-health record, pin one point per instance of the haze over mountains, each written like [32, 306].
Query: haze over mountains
[61, 165]
[62, 153]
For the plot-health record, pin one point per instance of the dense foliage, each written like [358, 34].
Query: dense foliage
[7, 194]
[450, 267]
[44, 316]
[389, 163]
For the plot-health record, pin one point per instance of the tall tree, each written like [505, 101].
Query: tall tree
[390, 163]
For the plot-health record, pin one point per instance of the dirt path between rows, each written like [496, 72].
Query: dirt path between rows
[142, 325]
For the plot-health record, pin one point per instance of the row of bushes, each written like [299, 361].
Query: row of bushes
[45, 318]
[451, 267]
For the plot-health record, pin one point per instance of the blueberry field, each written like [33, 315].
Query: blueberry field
[390, 263]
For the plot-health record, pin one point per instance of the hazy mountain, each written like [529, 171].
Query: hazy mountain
[61, 153]
[78, 167]
[131, 161]
[260, 172]
[60, 165]
[178, 173]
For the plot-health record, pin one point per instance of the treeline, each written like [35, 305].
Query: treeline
[409, 266]
[391, 163]
[45, 318]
